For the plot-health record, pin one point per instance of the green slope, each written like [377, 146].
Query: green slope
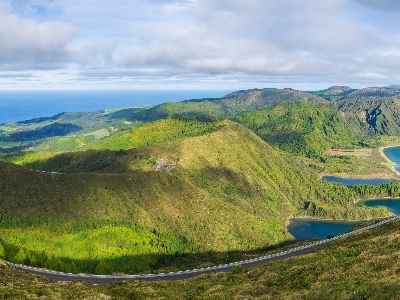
[152, 133]
[302, 128]
[229, 190]
[365, 266]
[372, 118]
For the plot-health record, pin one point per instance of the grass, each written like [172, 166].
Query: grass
[364, 266]
[357, 166]
[229, 176]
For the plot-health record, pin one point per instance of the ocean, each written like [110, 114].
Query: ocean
[25, 105]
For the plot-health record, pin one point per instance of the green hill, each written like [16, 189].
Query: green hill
[375, 117]
[229, 176]
[226, 106]
[334, 93]
[302, 128]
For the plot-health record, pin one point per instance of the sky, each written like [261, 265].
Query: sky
[198, 44]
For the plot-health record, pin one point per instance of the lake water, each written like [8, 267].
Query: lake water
[353, 181]
[305, 229]
[392, 204]
[393, 153]
[25, 105]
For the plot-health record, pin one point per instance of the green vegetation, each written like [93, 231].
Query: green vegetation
[101, 249]
[226, 106]
[229, 176]
[165, 130]
[365, 266]
[335, 93]
[226, 188]
[302, 128]
[63, 132]
[371, 119]
[153, 133]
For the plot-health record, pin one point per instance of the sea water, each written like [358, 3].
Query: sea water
[26, 105]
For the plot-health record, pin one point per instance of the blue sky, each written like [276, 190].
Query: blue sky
[198, 44]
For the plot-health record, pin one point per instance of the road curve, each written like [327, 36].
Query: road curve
[180, 275]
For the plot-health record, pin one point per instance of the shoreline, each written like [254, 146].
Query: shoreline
[367, 176]
[371, 176]
[391, 162]
[288, 221]
[359, 200]
[340, 220]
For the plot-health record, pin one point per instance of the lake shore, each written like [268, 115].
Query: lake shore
[391, 163]
[366, 176]
[359, 200]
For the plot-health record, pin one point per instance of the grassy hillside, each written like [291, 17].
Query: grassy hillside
[365, 266]
[229, 176]
[302, 128]
[156, 132]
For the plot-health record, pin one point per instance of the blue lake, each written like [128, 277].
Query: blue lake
[393, 153]
[392, 204]
[353, 181]
[305, 229]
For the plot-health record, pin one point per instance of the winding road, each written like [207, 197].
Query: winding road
[105, 279]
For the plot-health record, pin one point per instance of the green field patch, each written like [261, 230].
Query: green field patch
[100, 133]
[349, 152]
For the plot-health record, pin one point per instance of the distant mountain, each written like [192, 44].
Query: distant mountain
[373, 93]
[365, 112]
[228, 105]
[373, 115]
[334, 93]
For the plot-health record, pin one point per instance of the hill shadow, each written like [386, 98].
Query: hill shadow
[134, 264]
[55, 129]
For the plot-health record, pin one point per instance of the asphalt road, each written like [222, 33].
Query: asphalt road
[181, 275]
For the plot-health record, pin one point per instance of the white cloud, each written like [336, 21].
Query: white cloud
[184, 42]
[29, 44]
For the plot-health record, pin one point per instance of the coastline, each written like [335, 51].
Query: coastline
[391, 162]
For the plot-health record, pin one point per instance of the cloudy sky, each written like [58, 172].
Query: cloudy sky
[198, 44]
